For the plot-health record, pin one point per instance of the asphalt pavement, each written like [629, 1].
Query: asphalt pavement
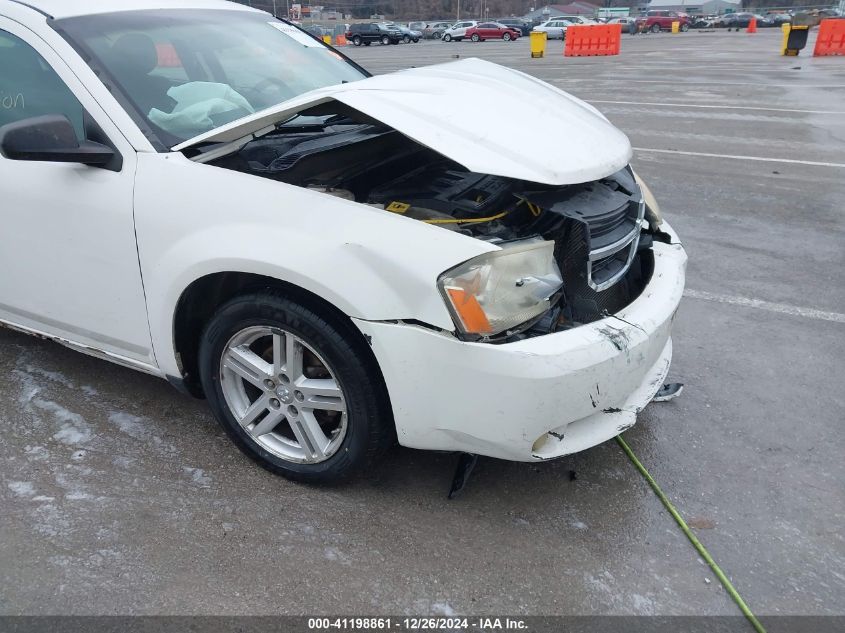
[120, 496]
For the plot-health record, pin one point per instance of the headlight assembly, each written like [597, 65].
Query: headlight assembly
[501, 290]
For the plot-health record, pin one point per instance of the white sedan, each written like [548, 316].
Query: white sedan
[554, 29]
[334, 261]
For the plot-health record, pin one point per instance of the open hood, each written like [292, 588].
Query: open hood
[488, 118]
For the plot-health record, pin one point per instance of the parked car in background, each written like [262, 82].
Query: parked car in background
[321, 320]
[576, 19]
[410, 35]
[458, 30]
[406, 34]
[492, 31]
[742, 20]
[624, 21]
[779, 19]
[434, 30]
[554, 29]
[523, 26]
[656, 21]
[416, 26]
[368, 32]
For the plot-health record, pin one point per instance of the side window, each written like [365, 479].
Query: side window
[30, 87]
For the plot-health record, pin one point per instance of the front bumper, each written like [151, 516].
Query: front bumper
[539, 398]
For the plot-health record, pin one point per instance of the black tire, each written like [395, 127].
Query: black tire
[356, 40]
[507, 37]
[416, 40]
[370, 430]
[655, 28]
[406, 39]
[475, 37]
[385, 40]
[684, 28]
[447, 38]
[438, 35]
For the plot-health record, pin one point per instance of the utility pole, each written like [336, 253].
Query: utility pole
[458, 15]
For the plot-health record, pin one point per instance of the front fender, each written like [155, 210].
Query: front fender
[193, 220]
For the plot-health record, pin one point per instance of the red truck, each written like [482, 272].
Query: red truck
[655, 21]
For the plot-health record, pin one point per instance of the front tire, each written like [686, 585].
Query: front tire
[475, 37]
[506, 37]
[684, 28]
[296, 389]
[447, 38]
[407, 39]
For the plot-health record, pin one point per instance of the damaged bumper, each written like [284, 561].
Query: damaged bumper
[538, 398]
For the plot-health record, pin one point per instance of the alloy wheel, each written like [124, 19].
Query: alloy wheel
[283, 394]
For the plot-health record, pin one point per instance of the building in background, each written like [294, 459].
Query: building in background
[693, 7]
[541, 14]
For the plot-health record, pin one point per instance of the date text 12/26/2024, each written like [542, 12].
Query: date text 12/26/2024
[416, 624]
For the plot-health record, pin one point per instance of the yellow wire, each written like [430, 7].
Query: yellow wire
[465, 220]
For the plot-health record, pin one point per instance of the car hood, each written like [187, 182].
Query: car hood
[466, 111]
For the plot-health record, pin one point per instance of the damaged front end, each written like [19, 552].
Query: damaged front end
[598, 233]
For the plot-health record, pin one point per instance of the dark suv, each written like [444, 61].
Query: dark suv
[371, 32]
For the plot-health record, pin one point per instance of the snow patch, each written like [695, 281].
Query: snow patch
[198, 476]
[21, 488]
[442, 608]
[70, 434]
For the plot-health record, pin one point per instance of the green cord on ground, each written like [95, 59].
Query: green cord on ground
[695, 542]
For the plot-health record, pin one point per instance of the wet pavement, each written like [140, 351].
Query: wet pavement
[119, 495]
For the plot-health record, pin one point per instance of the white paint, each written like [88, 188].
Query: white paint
[560, 382]
[437, 107]
[765, 159]
[668, 104]
[781, 308]
[173, 220]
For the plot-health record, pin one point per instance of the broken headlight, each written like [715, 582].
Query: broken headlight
[501, 290]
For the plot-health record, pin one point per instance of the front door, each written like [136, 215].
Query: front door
[68, 254]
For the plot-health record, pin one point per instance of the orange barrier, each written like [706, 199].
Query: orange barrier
[340, 40]
[831, 38]
[752, 25]
[593, 39]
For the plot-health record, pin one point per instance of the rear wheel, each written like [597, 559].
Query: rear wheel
[296, 390]
[507, 37]
[447, 38]
[655, 28]
[356, 40]
[475, 37]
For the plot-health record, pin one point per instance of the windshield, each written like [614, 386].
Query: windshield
[181, 73]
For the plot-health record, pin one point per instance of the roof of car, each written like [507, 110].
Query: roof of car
[71, 8]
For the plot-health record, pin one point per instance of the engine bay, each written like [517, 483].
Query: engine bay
[602, 239]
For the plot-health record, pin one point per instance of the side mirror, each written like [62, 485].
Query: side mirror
[50, 138]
